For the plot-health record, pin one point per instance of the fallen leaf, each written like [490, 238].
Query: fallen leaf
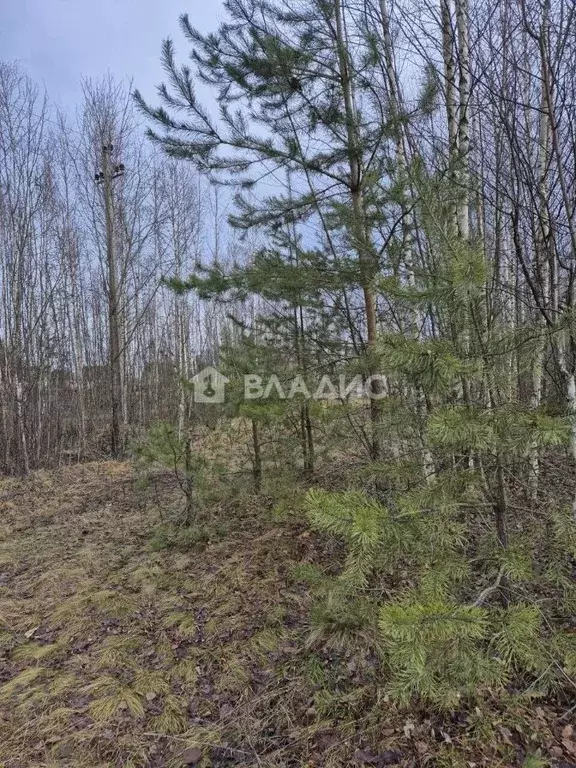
[421, 747]
[569, 746]
[65, 751]
[409, 729]
[365, 757]
[389, 758]
[191, 756]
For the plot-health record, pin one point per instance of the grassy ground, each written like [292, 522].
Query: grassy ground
[125, 642]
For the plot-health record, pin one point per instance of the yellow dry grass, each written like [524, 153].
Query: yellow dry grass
[116, 655]
[113, 654]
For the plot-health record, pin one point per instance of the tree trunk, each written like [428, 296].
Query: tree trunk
[449, 78]
[416, 319]
[361, 239]
[257, 457]
[463, 121]
[189, 483]
[501, 514]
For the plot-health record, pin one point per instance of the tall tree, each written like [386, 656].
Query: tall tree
[310, 104]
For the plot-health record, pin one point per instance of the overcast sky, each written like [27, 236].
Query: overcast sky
[59, 41]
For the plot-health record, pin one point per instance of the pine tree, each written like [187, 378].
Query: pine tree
[295, 96]
[164, 447]
[464, 619]
[398, 277]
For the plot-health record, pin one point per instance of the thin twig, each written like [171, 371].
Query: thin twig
[481, 599]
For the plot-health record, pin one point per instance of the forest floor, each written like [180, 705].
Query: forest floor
[123, 643]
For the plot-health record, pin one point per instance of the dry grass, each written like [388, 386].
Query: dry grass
[113, 654]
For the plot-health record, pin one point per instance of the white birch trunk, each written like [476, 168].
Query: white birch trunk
[543, 266]
[416, 321]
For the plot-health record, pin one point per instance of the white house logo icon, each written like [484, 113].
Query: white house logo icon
[209, 386]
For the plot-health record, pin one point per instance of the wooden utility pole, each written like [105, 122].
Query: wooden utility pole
[105, 177]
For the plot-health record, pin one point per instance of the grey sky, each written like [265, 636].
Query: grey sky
[59, 41]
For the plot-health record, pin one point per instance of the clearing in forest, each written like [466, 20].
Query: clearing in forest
[124, 646]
